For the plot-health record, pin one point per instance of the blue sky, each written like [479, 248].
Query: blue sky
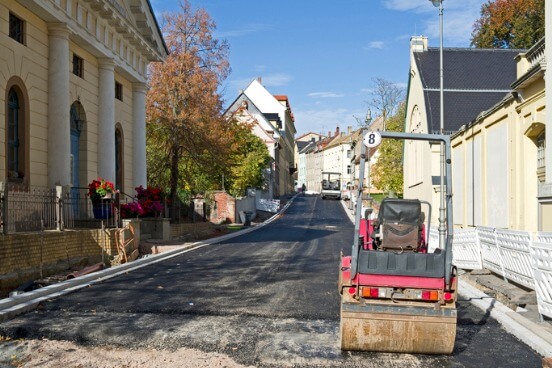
[324, 55]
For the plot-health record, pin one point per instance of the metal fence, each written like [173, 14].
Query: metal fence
[27, 209]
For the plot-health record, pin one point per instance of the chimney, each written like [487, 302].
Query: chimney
[329, 133]
[418, 43]
[260, 80]
[349, 130]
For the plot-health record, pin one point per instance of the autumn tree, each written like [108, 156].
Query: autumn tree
[388, 170]
[187, 137]
[509, 24]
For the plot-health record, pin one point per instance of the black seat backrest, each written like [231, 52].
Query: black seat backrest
[400, 211]
[400, 221]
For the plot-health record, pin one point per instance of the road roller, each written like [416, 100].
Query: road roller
[396, 294]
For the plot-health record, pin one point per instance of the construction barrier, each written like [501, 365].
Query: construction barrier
[518, 256]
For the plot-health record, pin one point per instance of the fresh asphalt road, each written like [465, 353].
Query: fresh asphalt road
[266, 298]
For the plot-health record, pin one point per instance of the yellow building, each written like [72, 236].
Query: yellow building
[499, 168]
[73, 80]
[475, 80]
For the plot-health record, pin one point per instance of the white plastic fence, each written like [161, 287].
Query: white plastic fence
[466, 250]
[518, 256]
[541, 257]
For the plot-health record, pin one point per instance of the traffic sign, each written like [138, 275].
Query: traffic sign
[372, 139]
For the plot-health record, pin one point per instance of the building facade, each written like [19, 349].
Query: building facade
[499, 163]
[274, 114]
[474, 81]
[73, 76]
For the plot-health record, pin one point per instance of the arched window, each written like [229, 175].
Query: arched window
[15, 136]
[119, 159]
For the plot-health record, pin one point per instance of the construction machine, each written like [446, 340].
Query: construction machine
[395, 295]
[331, 185]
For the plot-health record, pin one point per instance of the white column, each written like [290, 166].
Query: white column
[106, 119]
[139, 133]
[59, 133]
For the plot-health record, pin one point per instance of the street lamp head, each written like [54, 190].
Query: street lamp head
[436, 3]
[368, 118]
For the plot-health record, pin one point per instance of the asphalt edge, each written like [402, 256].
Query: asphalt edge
[26, 302]
[530, 333]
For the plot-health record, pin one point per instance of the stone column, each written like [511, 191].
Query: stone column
[106, 119]
[139, 133]
[59, 130]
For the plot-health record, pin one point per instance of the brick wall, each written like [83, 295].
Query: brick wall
[223, 209]
[23, 255]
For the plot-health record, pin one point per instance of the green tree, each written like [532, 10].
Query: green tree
[250, 158]
[388, 170]
[509, 24]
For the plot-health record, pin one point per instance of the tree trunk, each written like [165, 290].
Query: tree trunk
[174, 157]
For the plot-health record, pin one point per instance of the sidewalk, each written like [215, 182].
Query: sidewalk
[525, 322]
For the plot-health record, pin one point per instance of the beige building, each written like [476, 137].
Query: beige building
[499, 167]
[73, 75]
[301, 147]
[475, 80]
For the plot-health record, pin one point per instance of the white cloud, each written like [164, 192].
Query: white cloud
[458, 19]
[406, 5]
[245, 30]
[276, 80]
[324, 95]
[376, 45]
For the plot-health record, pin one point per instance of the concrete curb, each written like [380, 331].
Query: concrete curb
[527, 331]
[19, 304]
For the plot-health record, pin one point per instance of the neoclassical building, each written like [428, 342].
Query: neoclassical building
[73, 80]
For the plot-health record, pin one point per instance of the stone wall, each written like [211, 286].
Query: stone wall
[22, 256]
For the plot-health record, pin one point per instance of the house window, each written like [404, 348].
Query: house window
[118, 91]
[78, 66]
[17, 28]
[349, 153]
[15, 138]
[348, 169]
[541, 159]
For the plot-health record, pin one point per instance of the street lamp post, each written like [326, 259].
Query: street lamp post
[439, 4]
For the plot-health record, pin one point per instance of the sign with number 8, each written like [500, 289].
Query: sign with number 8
[372, 139]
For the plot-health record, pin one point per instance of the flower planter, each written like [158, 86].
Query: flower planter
[102, 210]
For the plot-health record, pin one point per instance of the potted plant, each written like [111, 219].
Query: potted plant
[100, 192]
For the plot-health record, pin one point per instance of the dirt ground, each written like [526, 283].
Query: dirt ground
[55, 354]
